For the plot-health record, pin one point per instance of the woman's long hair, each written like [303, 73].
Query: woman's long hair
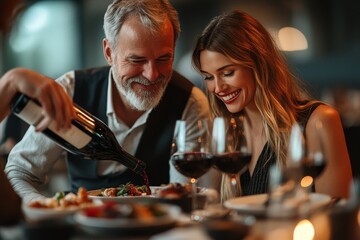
[278, 93]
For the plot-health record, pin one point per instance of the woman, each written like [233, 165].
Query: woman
[246, 74]
[57, 107]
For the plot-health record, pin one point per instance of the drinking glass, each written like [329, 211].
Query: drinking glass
[296, 154]
[232, 153]
[288, 197]
[315, 161]
[190, 151]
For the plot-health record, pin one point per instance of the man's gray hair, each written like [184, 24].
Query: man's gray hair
[152, 14]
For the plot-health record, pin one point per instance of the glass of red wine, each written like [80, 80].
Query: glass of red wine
[191, 152]
[232, 153]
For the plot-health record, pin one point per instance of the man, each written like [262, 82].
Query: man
[138, 96]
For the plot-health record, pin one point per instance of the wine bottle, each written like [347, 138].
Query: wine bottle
[87, 137]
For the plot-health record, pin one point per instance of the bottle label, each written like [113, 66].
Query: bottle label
[32, 114]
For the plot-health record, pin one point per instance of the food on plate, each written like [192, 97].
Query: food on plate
[127, 189]
[63, 201]
[128, 210]
[174, 191]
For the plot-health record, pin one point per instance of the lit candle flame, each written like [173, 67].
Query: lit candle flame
[304, 230]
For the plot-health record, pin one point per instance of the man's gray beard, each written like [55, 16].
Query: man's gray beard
[142, 100]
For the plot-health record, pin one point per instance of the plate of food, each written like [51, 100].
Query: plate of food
[60, 205]
[118, 217]
[257, 205]
[123, 193]
[172, 193]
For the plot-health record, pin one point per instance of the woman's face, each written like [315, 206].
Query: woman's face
[232, 83]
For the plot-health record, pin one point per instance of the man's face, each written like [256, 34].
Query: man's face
[141, 63]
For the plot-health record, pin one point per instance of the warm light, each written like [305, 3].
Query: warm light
[306, 181]
[304, 230]
[292, 39]
[358, 217]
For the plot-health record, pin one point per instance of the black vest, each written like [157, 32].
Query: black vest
[155, 143]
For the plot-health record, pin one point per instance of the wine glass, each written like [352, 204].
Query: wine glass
[288, 196]
[190, 151]
[315, 161]
[232, 153]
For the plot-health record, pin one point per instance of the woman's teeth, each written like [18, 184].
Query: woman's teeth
[230, 96]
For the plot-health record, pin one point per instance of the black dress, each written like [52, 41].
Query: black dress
[258, 183]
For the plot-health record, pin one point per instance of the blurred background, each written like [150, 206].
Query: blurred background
[320, 39]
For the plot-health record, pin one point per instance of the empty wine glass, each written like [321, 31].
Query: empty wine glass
[296, 154]
[230, 148]
[288, 197]
[190, 151]
[315, 161]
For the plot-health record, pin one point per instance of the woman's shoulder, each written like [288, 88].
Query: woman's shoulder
[325, 122]
[325, 114]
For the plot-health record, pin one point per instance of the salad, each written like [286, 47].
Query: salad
[127, 189]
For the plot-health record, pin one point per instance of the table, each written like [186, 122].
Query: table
[338, 223]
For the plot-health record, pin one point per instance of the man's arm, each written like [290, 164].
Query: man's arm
[56, 103]
[29, 163]
[33, 157]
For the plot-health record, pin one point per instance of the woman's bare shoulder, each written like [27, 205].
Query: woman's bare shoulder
[325, 114]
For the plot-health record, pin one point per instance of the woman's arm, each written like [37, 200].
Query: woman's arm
[324, 126]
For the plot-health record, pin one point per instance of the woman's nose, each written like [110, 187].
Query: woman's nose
[219, 85]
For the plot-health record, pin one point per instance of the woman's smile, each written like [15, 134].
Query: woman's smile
[229, 98]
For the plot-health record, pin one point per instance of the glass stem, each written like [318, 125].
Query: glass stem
[234, 186]
[193, 197]
[233, 181]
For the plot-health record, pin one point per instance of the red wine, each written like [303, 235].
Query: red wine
[88, 137]
[232, 163]
[313, 169]
[192, 164]
[147, 184]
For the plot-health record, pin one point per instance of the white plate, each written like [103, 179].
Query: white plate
[94, 194]
[255, 204]
[41, 213]
[121, 224]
